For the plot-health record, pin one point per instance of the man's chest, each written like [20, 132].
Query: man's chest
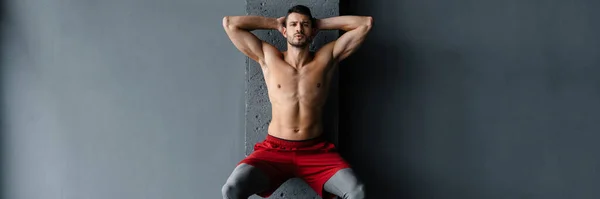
[296, 82]
[288, 76]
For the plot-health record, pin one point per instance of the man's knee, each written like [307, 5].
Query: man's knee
[229, 191]
[244, 181]
[358, 192]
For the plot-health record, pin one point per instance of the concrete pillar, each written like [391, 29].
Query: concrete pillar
[258, 108]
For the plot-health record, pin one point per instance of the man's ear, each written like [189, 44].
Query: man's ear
[284, 32]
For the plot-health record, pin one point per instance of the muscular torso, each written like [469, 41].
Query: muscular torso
[297, 97]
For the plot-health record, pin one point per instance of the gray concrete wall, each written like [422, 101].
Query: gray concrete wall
[258, 107]
[119, 99]
[475, 99]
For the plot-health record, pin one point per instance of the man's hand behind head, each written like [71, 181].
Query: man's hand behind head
[316, 26]
[281, 22]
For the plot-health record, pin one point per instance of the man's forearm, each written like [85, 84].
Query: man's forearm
[345, 23]
[250, 22]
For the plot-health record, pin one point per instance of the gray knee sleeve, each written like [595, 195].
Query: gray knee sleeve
[244, 181]
[229, 191]
[357, 193]
[345, 185]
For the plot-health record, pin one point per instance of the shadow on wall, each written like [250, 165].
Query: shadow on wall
[364, 78]
[370, 71]
[383, 118]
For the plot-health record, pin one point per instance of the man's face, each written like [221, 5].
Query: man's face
[298, 30]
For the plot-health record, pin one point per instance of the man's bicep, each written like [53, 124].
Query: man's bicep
[247, 43]
[348, 43]
[325, 53]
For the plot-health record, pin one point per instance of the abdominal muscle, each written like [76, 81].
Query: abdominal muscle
[295, 121]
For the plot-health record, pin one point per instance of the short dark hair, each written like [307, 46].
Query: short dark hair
[300, 9]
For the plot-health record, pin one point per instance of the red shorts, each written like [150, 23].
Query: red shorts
[314, 161]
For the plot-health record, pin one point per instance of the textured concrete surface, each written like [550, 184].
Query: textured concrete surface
[258, 108]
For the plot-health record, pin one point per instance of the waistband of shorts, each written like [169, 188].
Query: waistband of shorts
[294, 143]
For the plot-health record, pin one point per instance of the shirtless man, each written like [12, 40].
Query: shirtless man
[297, 81]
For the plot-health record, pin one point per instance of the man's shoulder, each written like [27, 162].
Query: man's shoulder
[269, 48]
[325, 53]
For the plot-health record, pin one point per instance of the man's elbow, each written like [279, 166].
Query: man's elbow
[368, 23]
[227, 23]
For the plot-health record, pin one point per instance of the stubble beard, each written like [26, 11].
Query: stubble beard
[299, 44]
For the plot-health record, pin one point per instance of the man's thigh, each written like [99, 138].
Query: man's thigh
[275, 166]
[244, 181]
[318, 168]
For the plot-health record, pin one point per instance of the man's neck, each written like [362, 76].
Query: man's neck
[297, 57]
